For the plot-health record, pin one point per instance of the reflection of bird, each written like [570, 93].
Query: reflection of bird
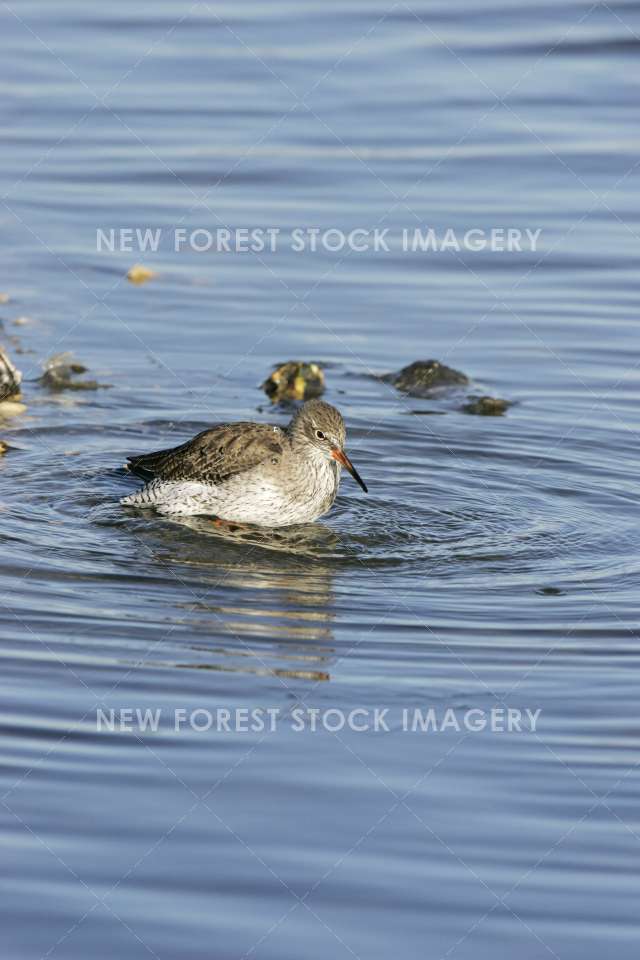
[10, 378]
[251, 472]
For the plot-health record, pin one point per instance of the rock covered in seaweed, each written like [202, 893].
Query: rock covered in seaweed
[294, 380]
[60, 373]
[10, 379]
[486, 406]
[430, 378]
[424, 377]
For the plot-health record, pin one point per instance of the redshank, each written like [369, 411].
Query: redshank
[251, 472]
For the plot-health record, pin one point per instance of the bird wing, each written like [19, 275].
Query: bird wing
[213, 455]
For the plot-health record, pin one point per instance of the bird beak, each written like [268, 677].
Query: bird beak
[342, 458]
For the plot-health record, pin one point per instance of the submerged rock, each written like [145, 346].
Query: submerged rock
[549, 591]
[486, 406]
[10, 379]
[294, 380]
[423, 377]
[60, 371]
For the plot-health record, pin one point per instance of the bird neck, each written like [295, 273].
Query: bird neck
[300, 441]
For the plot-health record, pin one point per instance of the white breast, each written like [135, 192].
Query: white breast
[255, 496]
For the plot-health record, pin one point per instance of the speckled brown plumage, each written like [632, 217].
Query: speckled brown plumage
[213, 455]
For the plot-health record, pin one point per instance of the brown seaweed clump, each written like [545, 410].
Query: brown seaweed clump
[294, 380]
[60, 373]
[10, 379]
[486, 406]
[424, 377]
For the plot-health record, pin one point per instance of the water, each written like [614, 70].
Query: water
[493, 564]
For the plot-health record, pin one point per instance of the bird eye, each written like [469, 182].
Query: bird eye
[320, 435]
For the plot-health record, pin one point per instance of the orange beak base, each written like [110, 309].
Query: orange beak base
[342, 458]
